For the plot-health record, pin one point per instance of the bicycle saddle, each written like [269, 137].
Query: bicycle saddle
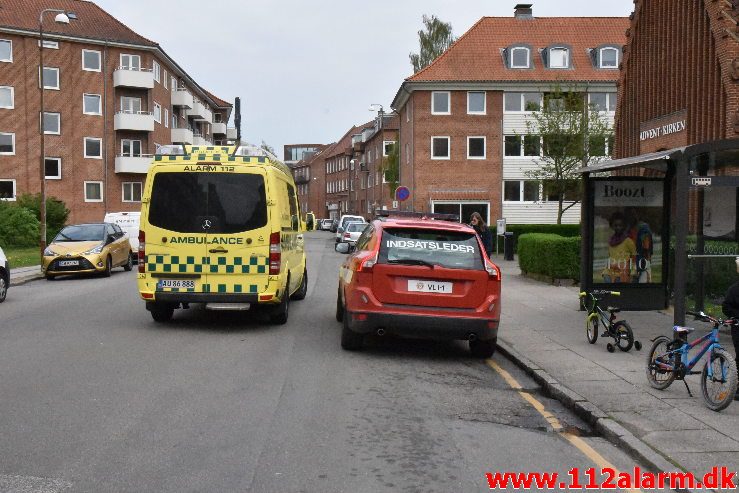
[677, 328]
[613, 309]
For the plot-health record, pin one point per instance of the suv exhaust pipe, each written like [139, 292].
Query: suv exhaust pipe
[380, 332]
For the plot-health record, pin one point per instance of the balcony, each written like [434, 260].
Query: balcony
[219, 128]
[140, 79]
[182, 136]
[231, 133]
[200, 140]
[181, 98]
[199, 112]
[132, 164]
[139, 121]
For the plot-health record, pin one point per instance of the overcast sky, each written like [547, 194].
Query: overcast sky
[306, 71]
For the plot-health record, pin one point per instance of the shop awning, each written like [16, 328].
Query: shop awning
[629, 162]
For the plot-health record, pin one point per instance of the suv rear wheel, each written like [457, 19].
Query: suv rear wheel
[483, 349]
[350, 340]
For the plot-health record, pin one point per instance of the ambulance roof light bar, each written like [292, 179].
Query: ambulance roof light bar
[171, 150]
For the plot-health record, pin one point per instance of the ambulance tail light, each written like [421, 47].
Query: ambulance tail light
[142, 251]
[275, 254]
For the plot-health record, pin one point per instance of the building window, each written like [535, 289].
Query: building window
[157, 112]
[6, 51]
[476, 103]
[52, 45]
[603, 101]
[440, 103]
[7, 144]
[91, 60]
[463, 210]
[439, 147]
[166, 117]
[130, 148]
[92, 104]
[132, 191]
[559, 58]
[522, 146]
[130, 62]
[53, 168]
[7, 97]
[51, 78]
[516, 102]
[157, 69]
[476, 147]
[608, 57]
[387, 147]
[52, 123]
[130, 105]
[93, 148]
[521, 191]
[93, 191]
[7, 190]
[520, 57]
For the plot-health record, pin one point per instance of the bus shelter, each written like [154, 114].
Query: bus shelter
[662, 228]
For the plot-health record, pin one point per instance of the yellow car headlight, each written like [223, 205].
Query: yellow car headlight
[97, 249]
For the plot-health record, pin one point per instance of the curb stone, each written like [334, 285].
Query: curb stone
[601, 422]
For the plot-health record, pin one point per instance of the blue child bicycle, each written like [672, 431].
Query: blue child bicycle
[668, 361]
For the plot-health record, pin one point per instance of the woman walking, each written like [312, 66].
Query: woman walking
[482, 229]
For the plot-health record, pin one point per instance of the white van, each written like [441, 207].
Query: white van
[129, 223]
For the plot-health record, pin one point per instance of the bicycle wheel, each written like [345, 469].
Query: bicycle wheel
[625, 336]
[719, 390]
[591, 328]
[659, 378]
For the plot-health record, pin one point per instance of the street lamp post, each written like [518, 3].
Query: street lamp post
[61, 18]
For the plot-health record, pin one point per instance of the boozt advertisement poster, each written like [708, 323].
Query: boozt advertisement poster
[628, 229]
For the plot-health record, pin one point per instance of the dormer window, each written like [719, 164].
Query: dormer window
[520, 57]
[608, 57]
[559, 57]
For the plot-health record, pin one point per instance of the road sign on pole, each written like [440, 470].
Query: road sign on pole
[402, 194]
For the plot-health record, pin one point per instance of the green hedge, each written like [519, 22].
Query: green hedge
[551, 255]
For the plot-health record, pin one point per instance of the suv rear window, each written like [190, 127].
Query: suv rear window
[233, 202]
[451, 249]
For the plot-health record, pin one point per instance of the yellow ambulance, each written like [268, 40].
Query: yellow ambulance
[220, 225]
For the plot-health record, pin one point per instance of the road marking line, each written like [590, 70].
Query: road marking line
[574, 440]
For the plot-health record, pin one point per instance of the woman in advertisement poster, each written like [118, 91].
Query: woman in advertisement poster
[621, 264]
[641, 235]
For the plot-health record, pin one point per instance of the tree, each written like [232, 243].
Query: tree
[572, 135]
[434, 41]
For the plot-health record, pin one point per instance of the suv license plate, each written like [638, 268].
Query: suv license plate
[176, 283]
[417, 286]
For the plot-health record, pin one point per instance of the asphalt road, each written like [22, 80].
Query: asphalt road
[96, 397]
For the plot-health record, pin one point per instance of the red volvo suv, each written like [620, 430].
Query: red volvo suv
[419, 277]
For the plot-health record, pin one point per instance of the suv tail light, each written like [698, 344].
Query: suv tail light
[142, 251]
[492, 269]
[275, 254]
[366, 264]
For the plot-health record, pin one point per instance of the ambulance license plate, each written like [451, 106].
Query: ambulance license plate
[417, 286]
[176, 283]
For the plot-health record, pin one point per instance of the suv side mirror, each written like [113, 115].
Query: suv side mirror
[342, 247]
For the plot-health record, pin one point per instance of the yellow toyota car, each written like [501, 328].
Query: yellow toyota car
[87, 249]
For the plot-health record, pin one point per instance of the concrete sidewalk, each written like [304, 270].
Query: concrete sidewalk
[21, 275]
[544, 331]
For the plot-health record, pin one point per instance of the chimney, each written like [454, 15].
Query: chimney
[523, 11]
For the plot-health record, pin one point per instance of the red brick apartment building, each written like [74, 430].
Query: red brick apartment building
[111, 97]
[462, 119]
